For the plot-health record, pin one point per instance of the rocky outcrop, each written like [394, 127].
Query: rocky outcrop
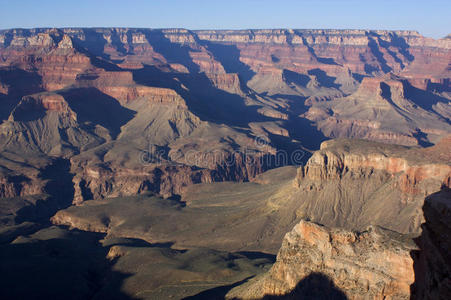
[49, 53]
[349, 184]
[99, 183]
[373, 264]
[412, 168]
[433, 260]
[320, 262]
[164, 178]
[354, 184]
[20, 186]
[226, 82]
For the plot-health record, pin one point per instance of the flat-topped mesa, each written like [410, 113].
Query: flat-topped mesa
[47, 52]
[207, 63]
[121, 86]
[418, 171]
[50, 102]
[43, 102]
[373, 264]
[154, 95]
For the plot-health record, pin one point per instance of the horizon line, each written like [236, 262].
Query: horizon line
[223, 29]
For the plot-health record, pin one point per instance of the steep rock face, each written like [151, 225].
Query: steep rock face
[121, 86]
[334, 51]
[358, 50]
[226, 82]
[331, 164]
[21, 176]
[353, 184]
[316, 261]
[18, 185]
[374, 264]
[433, 261]
[98, 181]
[49, 52]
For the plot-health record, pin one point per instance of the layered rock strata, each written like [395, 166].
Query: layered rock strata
[374, 264]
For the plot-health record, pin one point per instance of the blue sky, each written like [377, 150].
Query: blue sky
[429, 17]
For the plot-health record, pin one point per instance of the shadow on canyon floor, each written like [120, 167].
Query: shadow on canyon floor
[18, 83]
[58, 264]
[294, 78]
[202, 97]
[173, 52]
[229, 57]
[374, 48]
[216, 293]
[87, 102]
[59, 194]
[324, 79]
[427, 99]
[315, 286]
